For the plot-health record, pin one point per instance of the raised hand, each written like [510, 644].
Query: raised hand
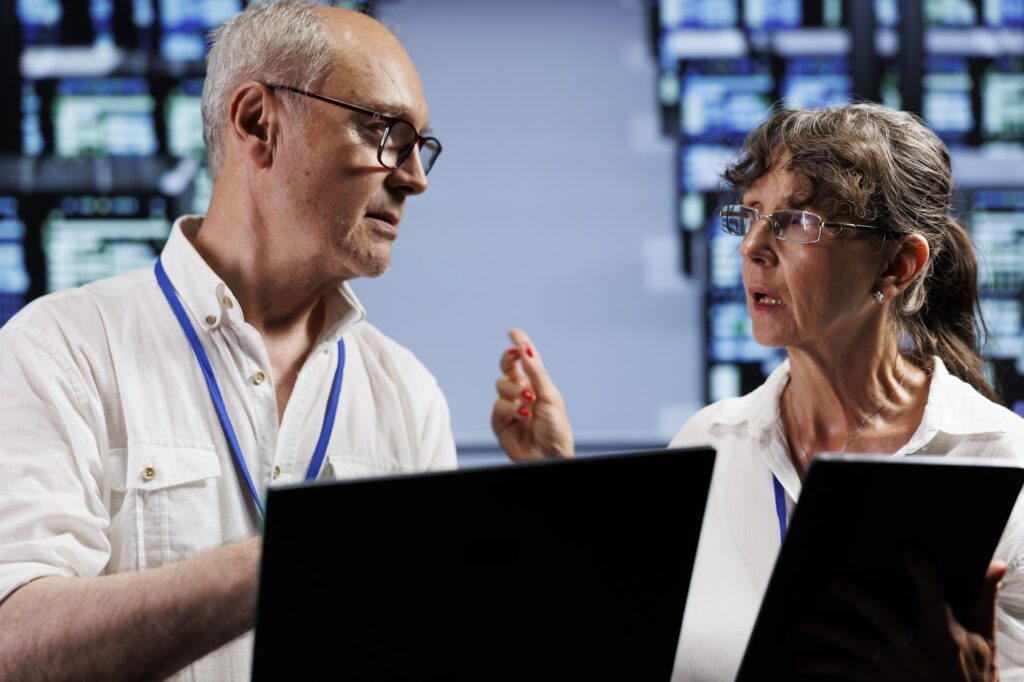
[529, 416]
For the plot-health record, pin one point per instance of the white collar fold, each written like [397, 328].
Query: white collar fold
[952, 408]
[210, 301]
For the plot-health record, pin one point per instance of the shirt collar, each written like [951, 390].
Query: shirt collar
[759, 408]
[953, 407]
[205, 295]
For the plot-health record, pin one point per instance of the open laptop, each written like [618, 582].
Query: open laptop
[564, 570]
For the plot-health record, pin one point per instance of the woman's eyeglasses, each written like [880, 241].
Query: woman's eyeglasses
[788, 225]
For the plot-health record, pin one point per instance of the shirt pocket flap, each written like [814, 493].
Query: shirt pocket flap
[154, 466]
[348, 467]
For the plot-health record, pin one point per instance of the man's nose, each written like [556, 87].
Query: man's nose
[410, 177]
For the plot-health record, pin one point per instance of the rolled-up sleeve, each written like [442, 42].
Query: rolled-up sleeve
[53, 520]
[436, 435]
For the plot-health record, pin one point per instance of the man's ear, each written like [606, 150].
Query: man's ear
[251, 122]
[904, 265]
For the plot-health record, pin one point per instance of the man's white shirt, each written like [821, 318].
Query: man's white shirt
[112, 458]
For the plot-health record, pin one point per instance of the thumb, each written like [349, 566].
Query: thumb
[982, 618]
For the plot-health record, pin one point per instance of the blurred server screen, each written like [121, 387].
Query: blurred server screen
[997, 227]
[185, 23]
[185, 120]
[1002, 96]
[947, 97]
[759, 14]
[90, 238]
[810, 82]
[112, 117]
[14, 278]
[40, 21]
[724, 100]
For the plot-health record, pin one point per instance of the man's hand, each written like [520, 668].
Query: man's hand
[935, 647]
[529, 416]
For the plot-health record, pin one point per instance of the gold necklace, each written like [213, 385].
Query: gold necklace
[860, 427]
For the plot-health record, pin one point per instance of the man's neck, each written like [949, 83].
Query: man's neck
[280, 298]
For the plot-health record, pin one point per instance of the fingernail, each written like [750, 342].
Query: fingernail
[513, 352]
[529, 351]
[524, 413]
[527, 394]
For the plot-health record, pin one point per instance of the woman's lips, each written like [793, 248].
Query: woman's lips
[765, 302]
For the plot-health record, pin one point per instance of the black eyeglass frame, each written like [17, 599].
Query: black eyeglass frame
[777, 228]
[418, 140]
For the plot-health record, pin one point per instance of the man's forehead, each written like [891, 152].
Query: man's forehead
[372, 68]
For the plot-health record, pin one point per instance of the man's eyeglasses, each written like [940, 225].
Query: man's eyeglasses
[788, 225]
[399, 136]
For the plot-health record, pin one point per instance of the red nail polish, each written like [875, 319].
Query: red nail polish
[513, 352]
[524, 413]
[529, 351]
[527, 394]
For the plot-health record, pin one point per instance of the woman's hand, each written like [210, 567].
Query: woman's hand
[529, 415]
[935, 647]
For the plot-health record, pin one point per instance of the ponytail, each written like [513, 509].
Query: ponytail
[941, 312]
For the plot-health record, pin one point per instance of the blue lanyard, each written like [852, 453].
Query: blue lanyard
[218, 400]
[780, 506]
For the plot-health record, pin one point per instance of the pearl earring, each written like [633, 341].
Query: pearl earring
[879, 296]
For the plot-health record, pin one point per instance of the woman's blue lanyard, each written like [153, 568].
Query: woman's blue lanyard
[218, 400]
[780, 506]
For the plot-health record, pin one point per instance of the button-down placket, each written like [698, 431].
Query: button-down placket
[303, 416]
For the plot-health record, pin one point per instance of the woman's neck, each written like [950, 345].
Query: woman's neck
[867, 401]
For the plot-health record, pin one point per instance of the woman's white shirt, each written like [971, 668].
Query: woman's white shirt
[740, 537]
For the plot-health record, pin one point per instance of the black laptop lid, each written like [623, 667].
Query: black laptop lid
[550, 571]
[856, 517]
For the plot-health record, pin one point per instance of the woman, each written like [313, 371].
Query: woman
[852, 263]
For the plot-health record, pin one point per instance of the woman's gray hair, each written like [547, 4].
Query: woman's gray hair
[281, 43]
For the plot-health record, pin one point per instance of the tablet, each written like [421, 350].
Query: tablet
[855, 518]
[562, 570]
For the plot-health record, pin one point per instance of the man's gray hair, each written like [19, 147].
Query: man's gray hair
[280, 43]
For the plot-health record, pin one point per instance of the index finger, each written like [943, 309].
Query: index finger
[532, 364]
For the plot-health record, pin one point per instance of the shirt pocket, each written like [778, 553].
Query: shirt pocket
[165, 502]
[348, 467]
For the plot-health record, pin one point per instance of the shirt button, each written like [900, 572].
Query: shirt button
[277, 472]
[148, 474]
[258, 378]
[210, 319]
[227, 302]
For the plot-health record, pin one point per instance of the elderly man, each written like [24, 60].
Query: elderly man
[144, 415]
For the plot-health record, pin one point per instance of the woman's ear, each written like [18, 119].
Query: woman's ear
[904, 265]
[251, 119]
